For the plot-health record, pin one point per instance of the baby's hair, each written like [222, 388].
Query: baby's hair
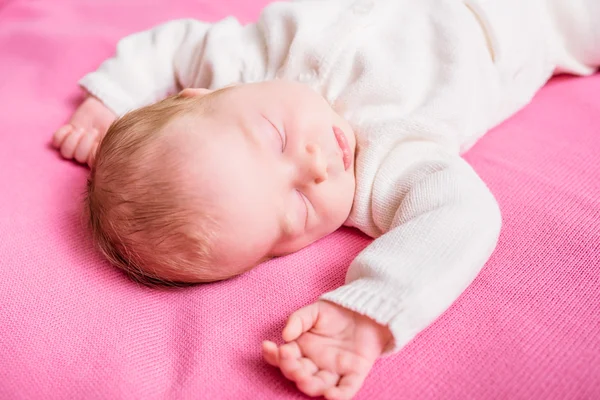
[142, 216]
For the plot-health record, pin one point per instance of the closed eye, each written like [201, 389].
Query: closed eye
[305, 201]
[281, 135]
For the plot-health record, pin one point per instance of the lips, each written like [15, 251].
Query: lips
[343, 143]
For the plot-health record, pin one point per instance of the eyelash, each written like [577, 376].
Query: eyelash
[283, 140]
[281, 136]
[305, 201]
[283, 145]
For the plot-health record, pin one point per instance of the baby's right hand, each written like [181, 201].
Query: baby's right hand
[80, 137]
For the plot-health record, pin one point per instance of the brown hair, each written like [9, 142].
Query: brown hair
[141, 216]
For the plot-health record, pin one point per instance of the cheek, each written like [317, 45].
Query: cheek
[338, 202]
[346, 198]
[239, 252]
[246, 232]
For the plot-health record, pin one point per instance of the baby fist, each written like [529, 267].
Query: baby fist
[77, 143]
[80, 137]
[329, 350]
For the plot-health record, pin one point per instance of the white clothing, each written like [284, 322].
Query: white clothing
[419, 82]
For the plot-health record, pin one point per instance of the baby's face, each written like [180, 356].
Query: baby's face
[273, 165]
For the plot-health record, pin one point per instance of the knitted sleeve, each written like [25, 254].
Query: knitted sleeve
[152, 64]
[439, 224]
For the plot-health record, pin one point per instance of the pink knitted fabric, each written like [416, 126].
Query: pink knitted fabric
[71, 327]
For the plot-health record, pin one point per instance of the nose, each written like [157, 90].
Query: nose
[315, 165]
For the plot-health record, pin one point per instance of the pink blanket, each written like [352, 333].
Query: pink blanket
[72, 327]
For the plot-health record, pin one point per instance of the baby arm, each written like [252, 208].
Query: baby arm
[146, 65]
[146, 68]
[438, 223]
[142, 70]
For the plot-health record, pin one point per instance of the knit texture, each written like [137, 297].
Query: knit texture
[72, 327]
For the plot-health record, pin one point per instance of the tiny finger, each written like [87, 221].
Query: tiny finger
[328, 378]
[85, 145]
[92, 156]
[301, 371]
[319, 383]
[289, 362]
[308, 366]
[60, 135]
[270, 353]
[67, 148]
[347, 387]
[300, 321]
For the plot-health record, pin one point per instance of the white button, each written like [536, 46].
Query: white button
[362, 7]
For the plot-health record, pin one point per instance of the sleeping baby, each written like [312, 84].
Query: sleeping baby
[216, 146]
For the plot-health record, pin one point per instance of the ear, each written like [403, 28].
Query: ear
[194, 92]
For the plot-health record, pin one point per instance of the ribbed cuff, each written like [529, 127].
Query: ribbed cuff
[110, 94]
[380, 302]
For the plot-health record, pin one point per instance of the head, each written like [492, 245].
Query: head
[206, 185]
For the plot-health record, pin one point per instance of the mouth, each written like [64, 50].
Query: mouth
[342, 142]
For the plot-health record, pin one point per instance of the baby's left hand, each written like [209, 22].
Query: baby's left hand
[329, 350]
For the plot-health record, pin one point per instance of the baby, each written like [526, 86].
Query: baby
[323, 113]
